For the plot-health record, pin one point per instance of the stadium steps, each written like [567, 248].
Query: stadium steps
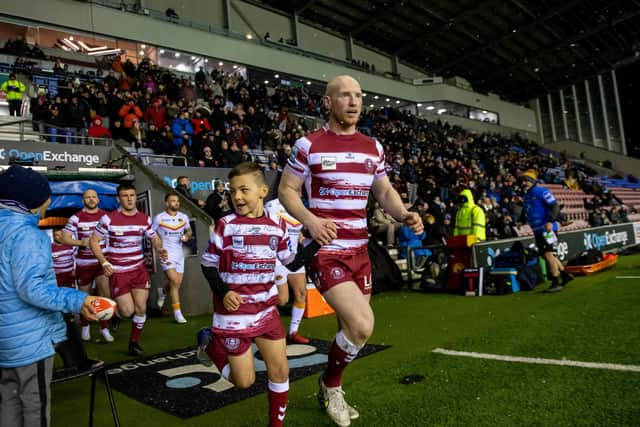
[10, 130]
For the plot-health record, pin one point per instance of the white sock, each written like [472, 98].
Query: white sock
[278, 387]
[296, 318]
[85, 329]
[226, 372]
[160, 292]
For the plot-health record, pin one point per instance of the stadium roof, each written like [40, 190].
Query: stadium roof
[515, 48]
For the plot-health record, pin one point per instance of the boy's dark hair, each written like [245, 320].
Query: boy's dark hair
[166, 197]
[246, 168]
[124, 187]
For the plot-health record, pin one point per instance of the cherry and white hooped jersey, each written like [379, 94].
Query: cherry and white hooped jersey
[124, 235]
[294, 227]
[62, 258]
[244, 250]
[338, 171]
[171, 228]
[81, 226]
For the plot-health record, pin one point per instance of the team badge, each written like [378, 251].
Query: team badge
[237, 242]
[232, 343]
[350, 156]
[368, 164]
[337, 273]
[329, 163]
[273, 243]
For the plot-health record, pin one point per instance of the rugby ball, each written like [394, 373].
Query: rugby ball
[105, 307]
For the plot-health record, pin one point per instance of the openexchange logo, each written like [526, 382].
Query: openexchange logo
[597, 241]
[49, 156]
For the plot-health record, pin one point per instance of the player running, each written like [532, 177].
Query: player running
[124, 229]
[77, 232]
[297, 279]
[173, 229]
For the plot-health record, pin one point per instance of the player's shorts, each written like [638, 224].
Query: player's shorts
[86, 274]
[330, 269]
[121, 283]
[229, 345]
[175, 262]
[65, 280]
[542, 244]
[281, 273]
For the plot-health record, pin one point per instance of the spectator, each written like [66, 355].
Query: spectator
[218, 203]
[383, 224]
[137, 135]
[13, 89]
[118, 131]
[470, 218]
[184, 152]
[207, 159]
[32, 322]
[57, 125]
[155, 113]
[184, 187]
[181, 127]
[408, 239]
[129, 112]
[235, 155]
[96, 130]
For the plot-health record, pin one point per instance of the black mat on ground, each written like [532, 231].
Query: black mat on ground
[175, 382]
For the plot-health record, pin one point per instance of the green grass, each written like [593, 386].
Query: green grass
[596, 319]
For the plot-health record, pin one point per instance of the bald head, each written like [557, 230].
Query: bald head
[90, 200]
[343, 101]
[334, 86]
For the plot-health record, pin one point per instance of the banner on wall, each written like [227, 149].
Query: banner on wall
[203, 179]
[71, 156]
[570, 244]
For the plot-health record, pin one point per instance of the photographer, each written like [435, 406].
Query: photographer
[14, 89]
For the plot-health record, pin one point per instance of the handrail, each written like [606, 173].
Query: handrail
[107, 142]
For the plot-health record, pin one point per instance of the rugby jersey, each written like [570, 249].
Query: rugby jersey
[338, 171]
[171, 228]
[294, 227]
[81, 226]
[124, 235]
[62, 258]
[244, 251]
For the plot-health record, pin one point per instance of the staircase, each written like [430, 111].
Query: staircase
[17, 129]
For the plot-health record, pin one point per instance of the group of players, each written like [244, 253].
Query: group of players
[252, 253]
[101, 252]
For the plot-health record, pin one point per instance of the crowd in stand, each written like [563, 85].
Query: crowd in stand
[216, 118]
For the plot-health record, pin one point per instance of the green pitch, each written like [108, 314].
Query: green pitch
[596, 319]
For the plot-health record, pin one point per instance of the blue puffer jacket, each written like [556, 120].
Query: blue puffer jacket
[30, 300]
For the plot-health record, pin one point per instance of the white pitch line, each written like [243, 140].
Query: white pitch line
[537, 360]
[627, 277]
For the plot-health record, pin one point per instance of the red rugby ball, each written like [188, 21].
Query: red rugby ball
[105, 307]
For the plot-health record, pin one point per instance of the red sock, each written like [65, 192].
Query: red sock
[137, 323]
[341, 353]
[104, 324]
[278, 398]
[84, 321]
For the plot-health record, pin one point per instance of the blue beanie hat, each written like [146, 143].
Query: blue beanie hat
[24, 186]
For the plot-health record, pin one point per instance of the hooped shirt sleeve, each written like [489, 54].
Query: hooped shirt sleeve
[149, 231]
[284, 253]
[381, 170]
[211, 256]
[298, 163]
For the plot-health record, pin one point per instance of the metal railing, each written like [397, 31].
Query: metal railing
[65, 135]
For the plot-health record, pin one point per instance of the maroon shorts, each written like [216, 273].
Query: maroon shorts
[122, 283]
[330, 269]
[86, 274]
[65, 280]
[229, 345]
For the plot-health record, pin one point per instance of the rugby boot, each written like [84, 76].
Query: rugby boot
[135, 349]
[296, 338]
[204, 338]
[331, 399]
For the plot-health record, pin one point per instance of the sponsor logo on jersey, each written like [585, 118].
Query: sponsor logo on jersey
[237, 242]
[329, 163]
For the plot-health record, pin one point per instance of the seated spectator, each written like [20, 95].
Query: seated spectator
[235, 155]
[384, 225]
[207, 159]
[137, 135]
[118, 131]
[185, 151]
[96, 130]
[408, 239]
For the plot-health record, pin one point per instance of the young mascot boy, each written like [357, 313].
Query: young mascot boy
[239, 265]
